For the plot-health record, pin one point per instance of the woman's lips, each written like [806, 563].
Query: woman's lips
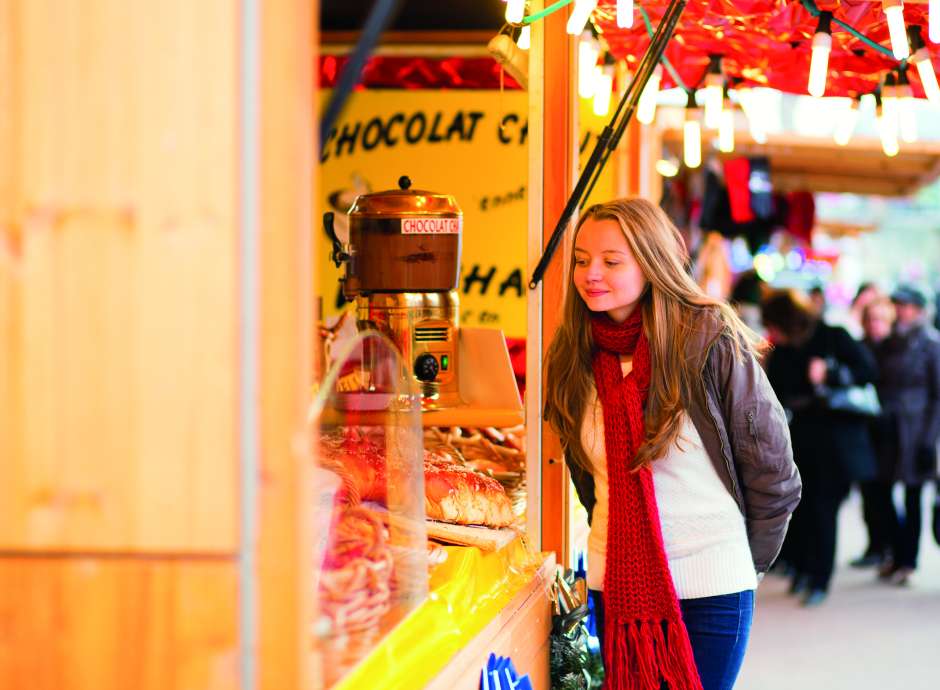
[595, 293]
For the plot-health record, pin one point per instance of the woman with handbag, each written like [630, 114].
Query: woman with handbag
[811, 367]
[677, 447]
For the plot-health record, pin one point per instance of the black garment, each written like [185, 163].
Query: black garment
[829, 437]
[830, 449]
[907, 540]
[880, 517]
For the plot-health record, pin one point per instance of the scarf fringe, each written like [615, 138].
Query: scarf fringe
[640, 655]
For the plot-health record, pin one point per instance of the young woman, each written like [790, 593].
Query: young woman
[677, 447]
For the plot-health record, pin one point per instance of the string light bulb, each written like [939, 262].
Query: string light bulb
[692, 134]
[894, 13]
[515, 11]
[580, 15]
[819, 63]
[588, 52]
[714, 83]
[646, 108]
[525, 38]
[846, 126]
[925, 70]
[726, 126]
[667, 167]
[624, 14]
[886, 131]
[907, 116]
[603, 86]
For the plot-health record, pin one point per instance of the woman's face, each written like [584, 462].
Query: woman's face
[606, 273]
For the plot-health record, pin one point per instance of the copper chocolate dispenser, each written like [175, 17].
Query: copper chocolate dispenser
[402, 263]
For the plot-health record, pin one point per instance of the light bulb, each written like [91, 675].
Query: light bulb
[726, 129]
[624, 14]
[646, 108]
[692, 136]
[887, 132]
[525, 38]
[713, 91]
[588, 50]
[580, 15]
[515, 10]
[667, 168]
[933, 21]
[928, 78]
[846, 126]
[894, 13]
[755, 122]
[712, 100]
[819, 64]
[603, 85]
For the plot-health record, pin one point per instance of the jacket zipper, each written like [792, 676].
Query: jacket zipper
[750, 424]
[738, 497]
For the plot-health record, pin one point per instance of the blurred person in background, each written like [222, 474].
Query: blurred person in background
[876, 319]
[817, 300]
[746, 297]
[831, 449]
[909, 388]
[866, 294]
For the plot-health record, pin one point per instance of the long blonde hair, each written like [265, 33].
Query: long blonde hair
[675, 310]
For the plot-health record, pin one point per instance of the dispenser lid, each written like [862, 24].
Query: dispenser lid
[404, 202]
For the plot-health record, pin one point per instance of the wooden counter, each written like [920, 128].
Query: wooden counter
[520, 631]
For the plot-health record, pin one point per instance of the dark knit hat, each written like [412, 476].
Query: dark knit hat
[909, 294]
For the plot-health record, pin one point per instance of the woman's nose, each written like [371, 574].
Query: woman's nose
[593, 273]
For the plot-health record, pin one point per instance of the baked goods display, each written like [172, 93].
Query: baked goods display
[457, 494]
[355, 578]
[497, 453]
[454, 491]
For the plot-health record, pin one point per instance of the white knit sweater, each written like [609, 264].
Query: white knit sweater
[703, 529]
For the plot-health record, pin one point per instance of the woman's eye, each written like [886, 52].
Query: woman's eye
[612, 263]
[580, 262]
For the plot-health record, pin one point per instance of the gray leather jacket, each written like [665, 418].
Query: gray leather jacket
[745, 432]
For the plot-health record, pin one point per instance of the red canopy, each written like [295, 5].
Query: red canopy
[767, 42]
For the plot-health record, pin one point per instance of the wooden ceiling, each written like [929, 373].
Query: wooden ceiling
[819, 165]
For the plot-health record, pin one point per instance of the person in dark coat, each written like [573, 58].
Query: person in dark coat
[831, 449]
[877, 320]
[909, 388]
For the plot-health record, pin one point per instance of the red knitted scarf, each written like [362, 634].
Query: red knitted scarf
[645, 640]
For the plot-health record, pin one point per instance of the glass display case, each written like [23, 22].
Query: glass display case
[371, 554]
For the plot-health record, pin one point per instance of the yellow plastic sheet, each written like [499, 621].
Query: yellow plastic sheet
[466, 593]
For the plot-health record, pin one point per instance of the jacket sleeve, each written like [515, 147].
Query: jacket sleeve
[760, 447]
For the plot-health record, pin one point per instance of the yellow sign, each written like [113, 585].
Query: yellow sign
[469, 144]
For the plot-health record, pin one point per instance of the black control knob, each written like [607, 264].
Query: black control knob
[426, 367]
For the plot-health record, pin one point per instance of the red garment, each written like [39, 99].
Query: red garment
[645, 640]
[738, 182]
[801, 215]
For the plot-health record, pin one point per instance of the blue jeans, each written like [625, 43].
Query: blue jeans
[718, 627]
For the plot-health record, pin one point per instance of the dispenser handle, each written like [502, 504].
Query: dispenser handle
[337, 255]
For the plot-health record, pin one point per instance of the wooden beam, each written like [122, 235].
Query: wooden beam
[560, 159]
[287, 164]
[840, 184]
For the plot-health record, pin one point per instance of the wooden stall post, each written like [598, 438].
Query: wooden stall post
[143, 147]
[552, 162]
